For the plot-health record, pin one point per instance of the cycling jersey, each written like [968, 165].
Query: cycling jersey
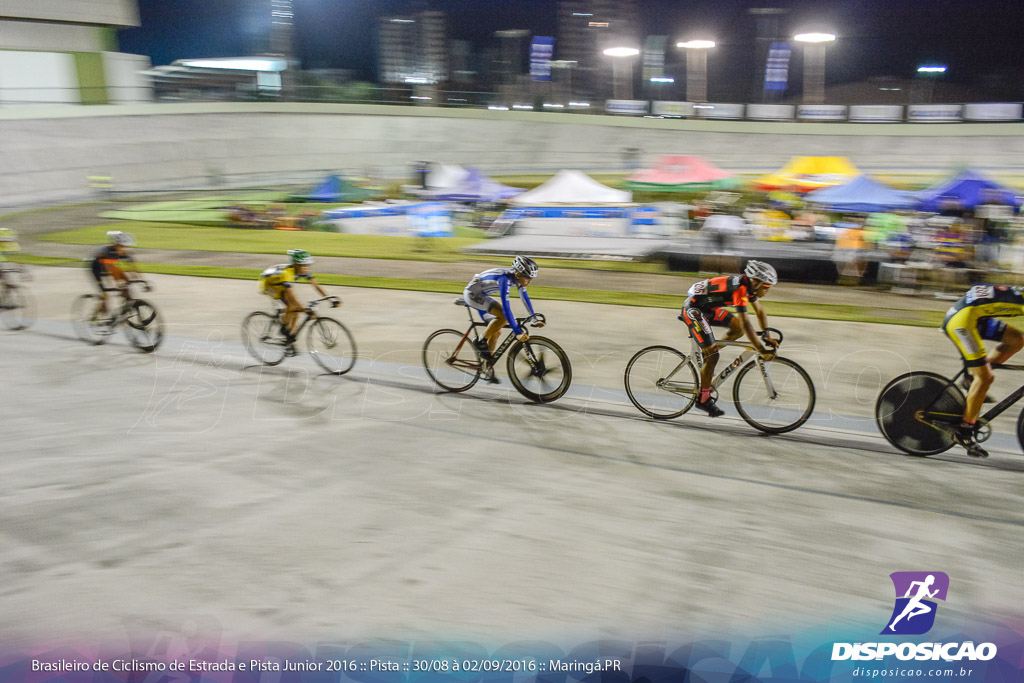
[704, 305]
[105, 257]
[276, 279]
[728, 290]
[483, 286]
[972, 319]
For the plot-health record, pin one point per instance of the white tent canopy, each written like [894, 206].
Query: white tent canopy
[444, 176]
[572, 187]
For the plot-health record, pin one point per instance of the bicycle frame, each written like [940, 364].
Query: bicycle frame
[310, 315]
[503, 346]
[697, 354]
[992, 413]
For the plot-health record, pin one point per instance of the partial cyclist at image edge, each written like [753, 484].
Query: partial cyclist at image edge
[107, 270]
[479, 295]
[970, 320]
[705, 307]
[276, 282]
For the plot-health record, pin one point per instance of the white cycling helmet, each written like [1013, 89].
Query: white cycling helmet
[300, 257]
[759, 270]
[125, 239]
[524, 265]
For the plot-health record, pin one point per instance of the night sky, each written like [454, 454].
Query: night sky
[982, 41]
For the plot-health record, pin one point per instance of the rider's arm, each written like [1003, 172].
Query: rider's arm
[526, 300]
[506, 305]
[317, 287]
[762, 317]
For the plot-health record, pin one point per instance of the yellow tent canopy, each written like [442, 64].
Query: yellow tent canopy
[804, 174]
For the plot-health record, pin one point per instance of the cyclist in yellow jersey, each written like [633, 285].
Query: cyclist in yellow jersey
[276, 282]
[967, 322]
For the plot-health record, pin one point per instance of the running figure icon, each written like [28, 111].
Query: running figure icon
[915, 607]
[916, 593]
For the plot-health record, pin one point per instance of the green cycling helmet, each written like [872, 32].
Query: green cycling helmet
[300, 257]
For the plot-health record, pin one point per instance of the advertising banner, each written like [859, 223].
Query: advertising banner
[868, 113]
[935, 113]
[720, 110]
[993, 111]
[634, 107]
[681, 109]
[776, 75]
[771, 112]
[821, 112]
[654, 57]
[541, 52]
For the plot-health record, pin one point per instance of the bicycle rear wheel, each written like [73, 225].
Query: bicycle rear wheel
[451, 361]
[539, 369]
[905, 399]
[89, 327]
[777, 397]
[331, 345]
[143, 326]
[17, 308]
[661, 382]
[262, 337]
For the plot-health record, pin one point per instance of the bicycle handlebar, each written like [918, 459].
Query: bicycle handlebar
[770, 333]
[314, 302]
[532, 320]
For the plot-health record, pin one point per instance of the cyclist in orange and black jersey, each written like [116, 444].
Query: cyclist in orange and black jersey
[704, 307]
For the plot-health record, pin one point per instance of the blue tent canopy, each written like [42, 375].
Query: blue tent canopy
[863, 195]
[967, 190]
[329, 190]
[476, 187]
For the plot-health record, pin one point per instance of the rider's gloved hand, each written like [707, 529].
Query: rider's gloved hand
[540, 323]
[523, 336]
[335, 303]
[147, 287]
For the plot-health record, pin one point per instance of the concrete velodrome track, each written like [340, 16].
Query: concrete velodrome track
[280, 502]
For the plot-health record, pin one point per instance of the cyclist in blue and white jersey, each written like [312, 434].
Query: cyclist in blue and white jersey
[479, 294]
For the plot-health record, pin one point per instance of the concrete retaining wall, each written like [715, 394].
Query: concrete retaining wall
[48, 153]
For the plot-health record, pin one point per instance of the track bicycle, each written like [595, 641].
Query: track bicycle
[141, 322]
[774, 396]
[918, 412]
[17, 307]
[538, 367]
[328, 341]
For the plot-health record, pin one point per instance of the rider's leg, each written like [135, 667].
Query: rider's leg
[493, 329]
[291, 311]
[983, 379]
[1011, 342]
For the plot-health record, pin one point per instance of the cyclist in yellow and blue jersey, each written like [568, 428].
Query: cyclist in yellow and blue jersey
[276, 282]
[970, 320]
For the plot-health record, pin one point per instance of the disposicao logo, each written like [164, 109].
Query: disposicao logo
[913, 615]
[916, 592]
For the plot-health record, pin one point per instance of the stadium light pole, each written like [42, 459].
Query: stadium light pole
[930, 73]
[622, 75]
[696, 69]
[814, 64]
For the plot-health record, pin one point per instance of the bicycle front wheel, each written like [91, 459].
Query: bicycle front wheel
[89, 326]
[331, 345]
[900, 413]
[17, 308]
[775, 396]
[661, 382]
[143, 326]
[539, 369]
[262, 338]
[451, 360]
